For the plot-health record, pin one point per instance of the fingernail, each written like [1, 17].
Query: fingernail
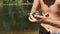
[35, 15]
[33, 18]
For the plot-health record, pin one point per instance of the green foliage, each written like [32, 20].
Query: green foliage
[15, 17]
[1, 1]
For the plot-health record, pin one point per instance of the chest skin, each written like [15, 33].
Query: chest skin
[53, 8]
[50, 6]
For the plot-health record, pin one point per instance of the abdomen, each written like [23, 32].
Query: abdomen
[50, 28]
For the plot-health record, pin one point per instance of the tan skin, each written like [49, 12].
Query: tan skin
[51, 14]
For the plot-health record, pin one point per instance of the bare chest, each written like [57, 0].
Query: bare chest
[50, 6]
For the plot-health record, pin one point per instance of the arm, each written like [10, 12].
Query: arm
[36, 6]
[46, 20]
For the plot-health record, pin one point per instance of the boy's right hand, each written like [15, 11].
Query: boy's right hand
[31, 18]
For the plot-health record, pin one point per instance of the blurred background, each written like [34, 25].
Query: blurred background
[14, 17]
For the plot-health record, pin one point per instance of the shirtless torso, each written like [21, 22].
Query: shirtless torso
[53, 8]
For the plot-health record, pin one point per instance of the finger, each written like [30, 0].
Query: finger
[37, 16]
[31, 16]
[32, 20]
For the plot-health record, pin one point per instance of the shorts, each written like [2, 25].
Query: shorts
[44, 33]
[42, 30]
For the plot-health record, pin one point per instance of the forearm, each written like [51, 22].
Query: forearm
[54, 23]
[36, 6]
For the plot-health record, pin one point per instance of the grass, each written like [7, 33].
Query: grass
[20, 32]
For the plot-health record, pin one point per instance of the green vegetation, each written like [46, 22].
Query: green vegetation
[14, 15]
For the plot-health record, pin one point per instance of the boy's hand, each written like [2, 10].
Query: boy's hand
[32, 18]
[37, 18]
